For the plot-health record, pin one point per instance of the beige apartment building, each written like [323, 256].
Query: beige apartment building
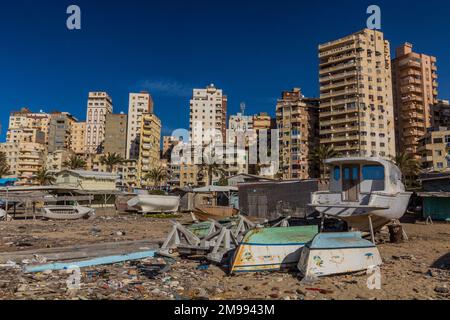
[25, 159]
[356, 103]
[208, 110]
[139, 104]
[116, 134]
[55, 160]
[98, 106]
[297, 120]
[150, 146]
[79, 138]
[434, 149]
[415, 88]
[25, 119]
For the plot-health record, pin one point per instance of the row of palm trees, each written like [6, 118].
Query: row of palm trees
[407, 163]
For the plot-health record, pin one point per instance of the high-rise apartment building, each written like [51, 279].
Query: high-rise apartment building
[208, 115]
[414, 79]
[98, 106]
[297, 122]
[60, 131]
[116, 134]
[150, 146]
[356, 103]
[139, 104]
[79, 138]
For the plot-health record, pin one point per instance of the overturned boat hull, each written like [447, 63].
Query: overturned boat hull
[155, 204]
[66, 212]
[215, 213]
[338, 253]
[272, 249]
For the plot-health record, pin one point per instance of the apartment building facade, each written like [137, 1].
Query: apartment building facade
[98, 107]
[298, 125]
[415, 89]
[78, 145]
[25, 121]
[440, 114]
[138, 104]
[356, 101]
[208, 115]
[434, 149]
[150, 146]
[116, 134]
[60, 131]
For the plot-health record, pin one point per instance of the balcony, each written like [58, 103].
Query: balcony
[338, 67]
[340, 139]
[339, 130]
[339, 121]
[339, 93]
[338, 76]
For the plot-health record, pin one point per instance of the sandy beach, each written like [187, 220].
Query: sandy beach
[415, 269]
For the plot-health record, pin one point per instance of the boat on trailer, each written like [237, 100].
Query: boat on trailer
[271, 249]
[66, 212]
[367, 193]
[155, 203]
[338, 253]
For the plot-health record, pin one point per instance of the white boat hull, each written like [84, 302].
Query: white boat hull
[155, 204]
[66, 212]
[2, 214]
[320, 263]
[382, 207]
[338, 253]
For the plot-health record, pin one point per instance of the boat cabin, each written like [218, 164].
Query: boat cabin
[355, 179]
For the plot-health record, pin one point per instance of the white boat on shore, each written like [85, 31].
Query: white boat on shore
[2, 214]
[367, 193]
[155, 203]
[66, 212]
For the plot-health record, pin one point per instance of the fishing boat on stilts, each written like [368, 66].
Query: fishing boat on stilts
[367, 193]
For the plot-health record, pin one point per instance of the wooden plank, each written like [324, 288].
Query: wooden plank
[92, 262]
[80, 251]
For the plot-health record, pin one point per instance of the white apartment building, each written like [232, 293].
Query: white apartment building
[98, 106]
[139, 103]
[208, 116]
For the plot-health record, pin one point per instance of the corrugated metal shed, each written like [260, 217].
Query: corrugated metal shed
[270, 200]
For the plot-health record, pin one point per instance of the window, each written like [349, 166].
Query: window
[337, 173]
[373, 172]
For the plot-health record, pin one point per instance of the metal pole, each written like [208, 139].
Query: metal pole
[371, 230]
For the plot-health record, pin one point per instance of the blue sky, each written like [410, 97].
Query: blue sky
[253, 49]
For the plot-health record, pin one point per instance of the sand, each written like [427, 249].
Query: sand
[415, 269]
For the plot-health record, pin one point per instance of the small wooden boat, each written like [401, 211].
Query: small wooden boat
[155, 204]
[204, 213]
[272, 249]
[338, 253]
[66, 212]
[2, 214]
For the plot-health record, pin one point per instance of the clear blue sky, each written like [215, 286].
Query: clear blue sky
[253, 49]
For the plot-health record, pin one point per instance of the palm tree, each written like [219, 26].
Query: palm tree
[318, 157]
[210, 167]
[111, 160]
[44, 177]
[75, 162]
[408, 165]
[4, 167]
[156, 175]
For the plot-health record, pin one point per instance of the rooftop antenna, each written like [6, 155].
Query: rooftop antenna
[243, 108]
